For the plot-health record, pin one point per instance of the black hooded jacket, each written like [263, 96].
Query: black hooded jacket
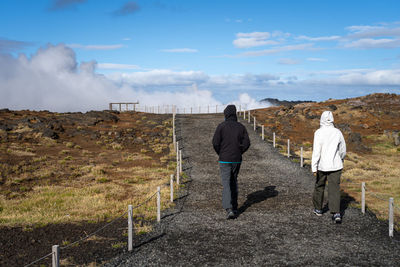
[230, 139]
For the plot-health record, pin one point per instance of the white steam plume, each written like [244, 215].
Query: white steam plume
[53, 80]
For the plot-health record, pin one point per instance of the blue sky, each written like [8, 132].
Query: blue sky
[194, 51]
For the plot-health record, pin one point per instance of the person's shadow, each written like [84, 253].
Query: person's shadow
[257, 197]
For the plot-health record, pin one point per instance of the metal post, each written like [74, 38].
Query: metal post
[254, 122]
[301, 157]
[262, 132]
[180, 160]
[55, 256]
[288, 148]
[158, 204]
[363, 197]
[171, 183]
[391, 219]
[130, 227]
[273, 139]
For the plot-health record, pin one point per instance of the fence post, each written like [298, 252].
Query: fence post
[173, 131]
[248, 117]
[254, 122]
[244, 114]
[180, 160]
[288, 148]
[55, 256]
[273, 139]
[130, 227]
[171, 183]
[363, 197]
[158, 204]
[391, 219]
[301, 157]
[262, 132]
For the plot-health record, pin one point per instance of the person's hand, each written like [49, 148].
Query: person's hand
[315, 174]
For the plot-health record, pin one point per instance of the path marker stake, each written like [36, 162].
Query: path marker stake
[158, 204]
[391, 217]
[130, 228]
[55, 261]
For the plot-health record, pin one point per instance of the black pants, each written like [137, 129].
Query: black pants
[333, 190]
[229, 173]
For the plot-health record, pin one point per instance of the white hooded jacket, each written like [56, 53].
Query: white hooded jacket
[329, 147]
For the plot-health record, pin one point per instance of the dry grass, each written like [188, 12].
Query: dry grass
[73, 180]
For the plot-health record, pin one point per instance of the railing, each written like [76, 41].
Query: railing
[56, 249]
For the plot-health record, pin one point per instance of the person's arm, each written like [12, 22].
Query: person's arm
[342, 147]
[316, 153]
[245, 141]
[216, 141]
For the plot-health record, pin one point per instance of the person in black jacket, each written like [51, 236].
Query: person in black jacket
[230, 141]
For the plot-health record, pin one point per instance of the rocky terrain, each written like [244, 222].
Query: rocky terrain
[357, 118]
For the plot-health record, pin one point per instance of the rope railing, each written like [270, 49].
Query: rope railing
[56, 248]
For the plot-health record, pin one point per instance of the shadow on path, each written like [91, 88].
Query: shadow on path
[257, 197]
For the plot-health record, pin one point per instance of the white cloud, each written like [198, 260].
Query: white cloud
[96, 47]
[160, 78]
[368, 43]
[253, 39]
[317, 59]
[288, 61]
[180, 50]
[319, 39]
[114, 66]
[275, 50]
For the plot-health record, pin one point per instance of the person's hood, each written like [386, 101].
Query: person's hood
[326, 118]
[230, 113]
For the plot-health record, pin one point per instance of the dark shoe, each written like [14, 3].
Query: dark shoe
[230, 214]
[317, 212]
[337, 218]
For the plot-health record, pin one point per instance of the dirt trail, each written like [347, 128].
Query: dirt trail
[275, 227]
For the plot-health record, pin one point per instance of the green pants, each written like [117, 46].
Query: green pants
[333, 190]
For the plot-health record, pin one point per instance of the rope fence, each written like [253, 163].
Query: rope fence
[392, 206]
[56, 248]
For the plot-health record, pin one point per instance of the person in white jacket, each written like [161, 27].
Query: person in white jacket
[329, 151]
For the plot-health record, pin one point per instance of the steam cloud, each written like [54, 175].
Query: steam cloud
[52, 80]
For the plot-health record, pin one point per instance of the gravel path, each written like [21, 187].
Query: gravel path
[275, 227]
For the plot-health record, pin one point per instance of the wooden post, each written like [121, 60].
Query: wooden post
[171, 183]
[301, 157]
[180, 160]
[273, 139]
[288, 148]
[244, 114]
[177, 174]
[249, 117]
[158, 204]
[363, 197]
[391, 218]
[110, 106]
[262, 132]
[254, 122]
[55, 262]
[130, 227]
[173, 131]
